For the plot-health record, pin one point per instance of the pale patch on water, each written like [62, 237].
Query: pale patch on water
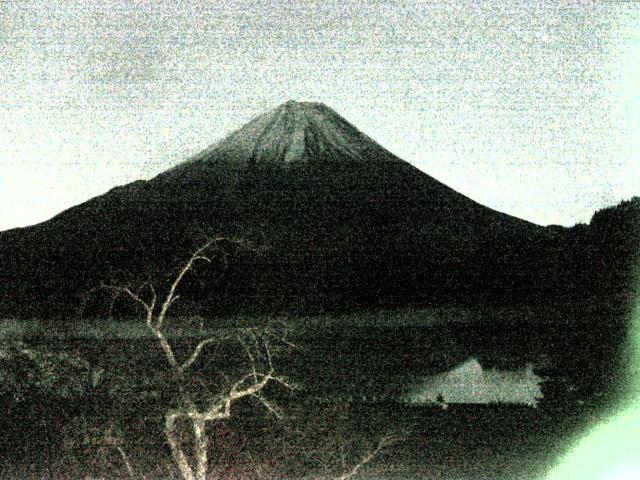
[470, 383]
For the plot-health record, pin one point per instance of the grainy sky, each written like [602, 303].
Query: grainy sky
[532, 108]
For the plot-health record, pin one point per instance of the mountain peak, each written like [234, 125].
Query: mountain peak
[297, 105]
[294, 133]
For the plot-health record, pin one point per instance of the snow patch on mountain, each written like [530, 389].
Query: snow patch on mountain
[294, 132]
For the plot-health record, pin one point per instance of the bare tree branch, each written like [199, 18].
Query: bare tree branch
[196, 352]
[238, 390]
[150, 307]
[125, 460]
[118, 290]
[168, 351]
[269, 406]
[384, 442]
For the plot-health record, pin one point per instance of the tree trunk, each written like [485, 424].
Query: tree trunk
[202, 441]
[178, 455]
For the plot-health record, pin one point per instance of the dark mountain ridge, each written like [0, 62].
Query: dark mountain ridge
[344, 224]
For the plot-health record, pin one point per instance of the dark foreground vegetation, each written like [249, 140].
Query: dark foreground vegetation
[89, 400]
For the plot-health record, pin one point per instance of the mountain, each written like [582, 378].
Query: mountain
[344, 224]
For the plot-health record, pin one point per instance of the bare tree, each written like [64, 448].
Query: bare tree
[257, 346]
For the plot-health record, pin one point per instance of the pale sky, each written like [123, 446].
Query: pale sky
[531, 108]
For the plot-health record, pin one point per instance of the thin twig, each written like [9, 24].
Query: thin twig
[125, 460]
[385, 441]
[196, 352]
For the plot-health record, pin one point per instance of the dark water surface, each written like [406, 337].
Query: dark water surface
[352, 378]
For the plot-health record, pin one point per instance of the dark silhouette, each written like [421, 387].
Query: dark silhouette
[348, 225]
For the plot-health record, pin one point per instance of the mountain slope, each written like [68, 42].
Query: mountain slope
[293, 132]
[345, 223]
